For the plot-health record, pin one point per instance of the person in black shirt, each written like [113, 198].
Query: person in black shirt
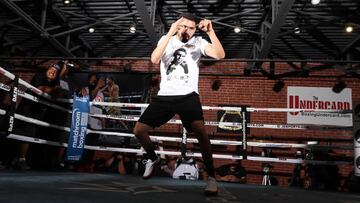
[47, 82]
[233, 172]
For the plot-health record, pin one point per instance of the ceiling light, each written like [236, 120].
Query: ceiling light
[67, 2]
[297, 30]
[237, 29]
[315, 2]
[132, 28]
[349, 28]
[91, 29]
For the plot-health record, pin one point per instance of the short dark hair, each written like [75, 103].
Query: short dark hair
[188, 16]
[92, 74]
[110, 78]
[180, 50]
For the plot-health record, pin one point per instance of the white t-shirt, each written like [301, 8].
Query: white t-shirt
[186, 170]
[179, 66]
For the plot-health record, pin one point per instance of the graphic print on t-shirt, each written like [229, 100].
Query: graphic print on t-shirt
[178, 61]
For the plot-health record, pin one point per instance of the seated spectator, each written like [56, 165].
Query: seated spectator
[121, 163]
[186, 169]
[167, 169]
[233, 172]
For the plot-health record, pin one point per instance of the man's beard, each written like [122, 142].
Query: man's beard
[184, 37]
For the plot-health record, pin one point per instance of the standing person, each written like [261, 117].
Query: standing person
[178, 92]
[94, 90]
[62, 118]
[112, 91]
[47, 82]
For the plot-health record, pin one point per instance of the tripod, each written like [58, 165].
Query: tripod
[266, 177]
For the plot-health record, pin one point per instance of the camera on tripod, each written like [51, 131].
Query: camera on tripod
[266, 168]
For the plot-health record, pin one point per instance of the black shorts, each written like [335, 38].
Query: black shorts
[163, 108]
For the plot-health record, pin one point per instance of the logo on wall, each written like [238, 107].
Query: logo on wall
[319, 102]
[295, 102]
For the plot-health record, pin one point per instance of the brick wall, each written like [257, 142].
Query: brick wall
[256, 91]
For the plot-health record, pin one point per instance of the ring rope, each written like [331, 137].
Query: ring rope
[35, 99]
[23, 82]
[161, 138]
[232, 124]
[225, 108]
[177, 153]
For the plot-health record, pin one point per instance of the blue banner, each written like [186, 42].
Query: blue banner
[79, 121]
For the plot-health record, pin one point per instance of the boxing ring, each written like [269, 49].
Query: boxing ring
[132, 189]
[244, 143]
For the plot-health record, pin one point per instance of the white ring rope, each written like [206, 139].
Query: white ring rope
[36, 121]
[216, 123]
[23, 82]
[177, 153]
[130, 96]
[162, 138]
[35, 99]
[225, 108]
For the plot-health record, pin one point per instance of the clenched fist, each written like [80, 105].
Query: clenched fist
[205, 25]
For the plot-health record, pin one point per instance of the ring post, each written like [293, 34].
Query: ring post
[183, 143]
[244, 114]
[10, 115]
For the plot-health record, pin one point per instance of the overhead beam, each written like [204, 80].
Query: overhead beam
[146, 20]
[299, 55]
[275, 28]
[270, 32]
[93, 24]
[9, 21]
[96, 20]
[349, 46]
[317, 34]
[291, 64]
[220, 23]
[14, 44]
[32, 23]
[314, 45]
[235, 14]
[316, 16]
[63, 19]
[44, 13]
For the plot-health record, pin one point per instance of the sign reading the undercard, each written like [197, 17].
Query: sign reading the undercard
[79, 121]
[319, 98]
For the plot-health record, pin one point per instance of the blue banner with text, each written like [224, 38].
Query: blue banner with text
[79, 121]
